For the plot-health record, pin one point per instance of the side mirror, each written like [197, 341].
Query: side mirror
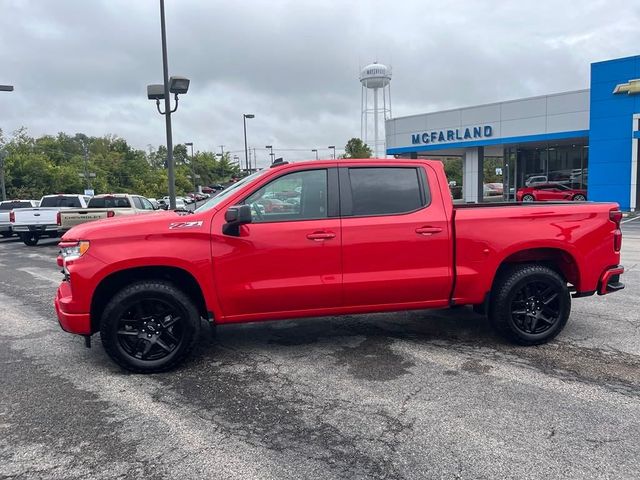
[236, 216]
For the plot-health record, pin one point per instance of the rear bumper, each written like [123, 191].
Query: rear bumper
[35, 228]
[5, 227]
[610, 280]
[78, 323]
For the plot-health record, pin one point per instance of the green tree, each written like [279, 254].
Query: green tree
[356, 148]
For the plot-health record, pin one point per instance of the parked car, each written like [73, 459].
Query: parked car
[492, 189]
[536, 180]
[37, 222]
[101, 207]
[368, 236]
[550, 192]
[5, 208]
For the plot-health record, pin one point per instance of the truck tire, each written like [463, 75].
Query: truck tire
[530, 304]
[30, 239]
[149, 326]
[528, 198]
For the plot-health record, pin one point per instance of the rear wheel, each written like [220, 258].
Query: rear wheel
[30, 239]
[528, 198]
[149, 326]
[579, 198]
[530, 304]
[6, 234]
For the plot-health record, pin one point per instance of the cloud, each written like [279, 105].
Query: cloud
[83, 66]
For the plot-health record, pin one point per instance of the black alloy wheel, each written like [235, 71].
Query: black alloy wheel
[149, 326]
[535, 308]
[579, 198]
[150, 329]
[530, 303]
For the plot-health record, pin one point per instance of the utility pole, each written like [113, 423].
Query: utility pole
[3, 154]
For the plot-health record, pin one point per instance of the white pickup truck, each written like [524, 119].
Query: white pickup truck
[105, 206]
[5, 213]
[43, 221]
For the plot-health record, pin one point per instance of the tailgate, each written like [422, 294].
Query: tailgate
[72, 218]
[36, 216]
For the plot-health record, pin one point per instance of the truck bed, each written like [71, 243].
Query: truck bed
[569, 232]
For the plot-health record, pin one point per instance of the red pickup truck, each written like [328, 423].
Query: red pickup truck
[359, 236]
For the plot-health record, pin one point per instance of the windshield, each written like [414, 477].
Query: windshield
[230, 190]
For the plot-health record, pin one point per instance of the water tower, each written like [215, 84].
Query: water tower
[375, 77]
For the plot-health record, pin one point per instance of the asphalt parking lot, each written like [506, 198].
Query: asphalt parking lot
[411, 395]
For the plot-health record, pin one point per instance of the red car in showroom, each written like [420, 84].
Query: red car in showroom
[551, 192]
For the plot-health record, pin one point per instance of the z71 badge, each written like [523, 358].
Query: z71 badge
[175, 225]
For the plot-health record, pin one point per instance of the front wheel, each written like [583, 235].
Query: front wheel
[30, 239]
[579, 198]
[528, 198]
[530, 304]
[149, 326]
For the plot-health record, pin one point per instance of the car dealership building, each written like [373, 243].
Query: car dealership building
[584, 138]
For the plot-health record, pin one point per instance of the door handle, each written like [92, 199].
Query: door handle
[318, 236]
[427, 231]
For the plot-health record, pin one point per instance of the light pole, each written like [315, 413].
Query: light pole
[175, 85]
[333, 147]
[236, 159]
[3, 88]
[315, 150]
[193, 172]
[271, 154]
[246, 150]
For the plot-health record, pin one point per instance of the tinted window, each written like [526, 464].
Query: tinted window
[109, 202]
[14, 205]
[138, 203]
[61, 201]
[295, 196]
[384, 191]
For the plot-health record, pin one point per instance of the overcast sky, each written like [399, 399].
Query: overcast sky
[83, 65]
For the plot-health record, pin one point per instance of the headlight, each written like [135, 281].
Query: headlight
[73, 250]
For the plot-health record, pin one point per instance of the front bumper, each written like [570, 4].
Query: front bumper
[610, 280]
[78, 323]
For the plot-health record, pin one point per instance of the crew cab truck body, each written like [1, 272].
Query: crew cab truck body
[33, 223]
[6, 207]
[105, 206]
[361, 236]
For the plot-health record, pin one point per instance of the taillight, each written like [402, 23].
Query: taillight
[111, 213]
[59, 219]
[616, 217]
[12, 217]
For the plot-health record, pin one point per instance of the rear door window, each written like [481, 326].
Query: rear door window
[14, 205]
[385, 191]
[109, 202]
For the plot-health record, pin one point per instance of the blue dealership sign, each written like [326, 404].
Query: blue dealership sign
[451, 135]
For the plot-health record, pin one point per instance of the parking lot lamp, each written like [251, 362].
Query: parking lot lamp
[246, 150]
[177, 86]
[333, 147]
[315, 150]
